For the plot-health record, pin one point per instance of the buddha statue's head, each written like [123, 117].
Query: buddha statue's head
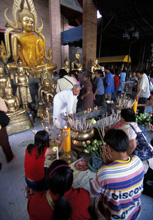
[8, 92]
[46, 83]
[26, 18]
[20, 69]
[95, 62]
[77, 56]
[66, 62]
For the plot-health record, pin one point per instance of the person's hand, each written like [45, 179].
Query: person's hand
[107, 158]
[65, 134]
[94, 97]
[82, 97]
[0, 127]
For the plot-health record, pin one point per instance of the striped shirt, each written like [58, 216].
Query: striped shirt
[118, 187]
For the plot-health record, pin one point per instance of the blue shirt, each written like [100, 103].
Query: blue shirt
[99, 86]
[122, 79]
[109, 80]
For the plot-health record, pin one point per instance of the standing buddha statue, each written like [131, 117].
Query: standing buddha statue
[22, 83]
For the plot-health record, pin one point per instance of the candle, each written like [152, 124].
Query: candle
[47, 129]
[135, 107]
[57, 124]
[48, 115]
[67, 143]
[42, 125]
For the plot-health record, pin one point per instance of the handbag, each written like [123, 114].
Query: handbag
[4, 119]
[144, 150]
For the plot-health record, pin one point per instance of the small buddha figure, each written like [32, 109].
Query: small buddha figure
[31, 48]
[76, 65]
[95, 66]
[46, 92]
[4, 81]
[12, 103]
[66, 66]
[22, 83]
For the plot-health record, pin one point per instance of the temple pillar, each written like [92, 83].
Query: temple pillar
[89, 33]
[65, 48]
[55, 31]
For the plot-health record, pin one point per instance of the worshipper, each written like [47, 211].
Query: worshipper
[61, 201]
[109, 83]
[63, 102]
[116, 83]
[130, 126]
[98, 88]
[4, 141]
[74, 74]
[87, 94]
[143, 91]
[118, 184]
[34, 161]
[122, 79]
[65, 81]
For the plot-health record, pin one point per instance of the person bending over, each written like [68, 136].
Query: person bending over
[118, 185]
[34, 161]
[61, 201]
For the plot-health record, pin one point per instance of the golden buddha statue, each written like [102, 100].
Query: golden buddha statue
[46, 93]
[29, 47]
[95, 66]
[66, 66]
[19, 119]
[4, 81]
[23, 92]
[12, 103]
[76, 65]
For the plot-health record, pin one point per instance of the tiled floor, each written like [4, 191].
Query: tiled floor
[12, 201]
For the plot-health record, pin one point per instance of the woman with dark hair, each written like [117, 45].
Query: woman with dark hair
[61, 201]
[87, 93]
[34, 160]
[132, 129]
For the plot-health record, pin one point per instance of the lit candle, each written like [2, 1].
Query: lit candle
[42, 125]
[47, 129]
[135, 107]
[48, 115]
[57, 124]
[67, 143]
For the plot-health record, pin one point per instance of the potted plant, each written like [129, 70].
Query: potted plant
[95, 148]
[143, 119]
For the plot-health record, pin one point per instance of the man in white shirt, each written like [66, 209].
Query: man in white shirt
[65, 81]
[63, 102]
[143, 91]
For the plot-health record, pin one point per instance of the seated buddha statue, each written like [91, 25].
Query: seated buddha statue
[4, 81]
[29, 47]
[66, 66]
[46, 92]
[12, 103]
[95, 66]
[22, 83]
[76, 65]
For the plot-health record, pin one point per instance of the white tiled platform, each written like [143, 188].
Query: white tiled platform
[12, 201]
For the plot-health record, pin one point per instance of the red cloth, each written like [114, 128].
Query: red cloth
[34, 168]
[39, 208]
[116, 81]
